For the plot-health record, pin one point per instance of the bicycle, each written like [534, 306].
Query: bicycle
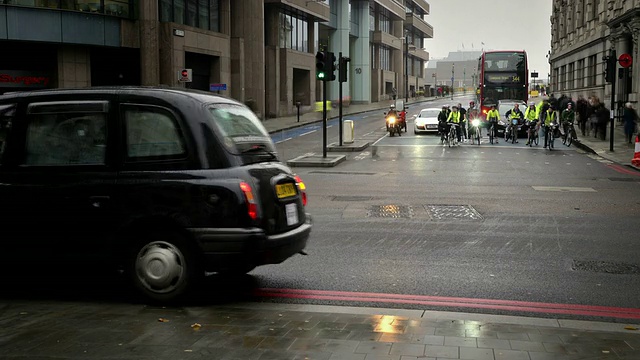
[475, 125]
[569, 134]
[532, 133]
[453, 135]
[550, 134]
[511, 132]
[492, 129]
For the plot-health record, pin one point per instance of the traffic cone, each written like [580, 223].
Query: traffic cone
[636, 155]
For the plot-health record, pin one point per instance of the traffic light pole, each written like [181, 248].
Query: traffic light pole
[324, 119]
[341, 64]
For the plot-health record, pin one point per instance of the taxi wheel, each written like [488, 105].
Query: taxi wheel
[164, 267]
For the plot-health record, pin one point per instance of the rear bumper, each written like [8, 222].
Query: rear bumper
[238, 247]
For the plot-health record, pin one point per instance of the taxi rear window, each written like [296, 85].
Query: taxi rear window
[239, 126]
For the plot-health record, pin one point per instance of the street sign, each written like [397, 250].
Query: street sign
[625, 60]
[217, 87]
[534, 74]
[185, 75]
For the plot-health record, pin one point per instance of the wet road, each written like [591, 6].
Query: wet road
[504, 222]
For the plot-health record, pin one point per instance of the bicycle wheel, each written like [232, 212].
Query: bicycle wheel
[491, 135]
[536, 138]
[514, 134]
[478, 135]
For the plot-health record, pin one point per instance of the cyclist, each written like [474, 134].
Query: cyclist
[568, 116]
[454, 118]
[548, 117]
[463, 121]
[531, 120]
[472, 113]
[493, 116]
[442, 123]
[512, 114]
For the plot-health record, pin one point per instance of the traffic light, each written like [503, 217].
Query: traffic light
[321, 65]
[343, 69]
[610, 68]
[331, 67]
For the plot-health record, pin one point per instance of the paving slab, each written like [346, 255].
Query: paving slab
[357, 145]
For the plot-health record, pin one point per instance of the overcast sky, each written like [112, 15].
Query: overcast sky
[499, 24]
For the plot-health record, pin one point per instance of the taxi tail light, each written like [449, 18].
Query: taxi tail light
[249, 200]
[302, 188]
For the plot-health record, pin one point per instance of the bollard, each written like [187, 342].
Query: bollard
[347, 128]
[298, 106]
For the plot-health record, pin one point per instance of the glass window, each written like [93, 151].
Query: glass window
[166, 10]
[385, 58]
[214, 15]
[60, 134]
[178, 11]
[7, 112]
[385, 23]
[241, 130]
[570, 77]
[293, 33]
[152, 133]
[203, 14]
[192, 13]
[116, 7]
[504, 61]
[372, 18]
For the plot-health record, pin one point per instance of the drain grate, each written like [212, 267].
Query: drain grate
[351, 198]
[390, 211]
[453, 212]
[608, 267]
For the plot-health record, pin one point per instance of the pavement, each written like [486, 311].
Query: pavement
[267, 331]
[622, 153]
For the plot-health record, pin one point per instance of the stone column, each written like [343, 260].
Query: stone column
[149, 43]
[397, 63]
[247, 22]
[74, 66]
[272, 62]
[634, 96]
[339, 42]
[361, 62]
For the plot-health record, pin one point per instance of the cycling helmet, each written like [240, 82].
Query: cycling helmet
[472, 103]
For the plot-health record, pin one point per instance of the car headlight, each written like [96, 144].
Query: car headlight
[475, 122]
[420, 122]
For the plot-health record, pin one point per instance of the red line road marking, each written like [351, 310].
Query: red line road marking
[623, 170]
[524, 306]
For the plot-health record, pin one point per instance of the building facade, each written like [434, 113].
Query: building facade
[582, 33]
[260, 52]
[459, 70]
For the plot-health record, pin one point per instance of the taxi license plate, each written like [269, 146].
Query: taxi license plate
[285, 190]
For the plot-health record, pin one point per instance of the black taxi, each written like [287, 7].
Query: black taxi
[162, 184]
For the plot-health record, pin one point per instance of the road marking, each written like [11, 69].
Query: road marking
[563, 188]
[308, 132]
[457, 302]
[362, 155]
[281, 141]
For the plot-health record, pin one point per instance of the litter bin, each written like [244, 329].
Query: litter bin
[347, 131]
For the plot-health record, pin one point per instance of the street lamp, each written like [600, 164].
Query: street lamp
[452, 72]
[406, 66]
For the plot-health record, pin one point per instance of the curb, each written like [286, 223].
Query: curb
[588, 149]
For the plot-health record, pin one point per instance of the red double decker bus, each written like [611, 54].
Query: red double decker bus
[503, 75]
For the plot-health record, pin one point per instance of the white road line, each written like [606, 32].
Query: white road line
[281, 141]
[308, 132]
[563, 188]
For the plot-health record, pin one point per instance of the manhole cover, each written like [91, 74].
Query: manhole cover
[390, 211]
[608, 267]
[453, 212]
[351, 198]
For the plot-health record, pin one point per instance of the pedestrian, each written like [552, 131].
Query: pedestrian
[630, 118]
[582, 108]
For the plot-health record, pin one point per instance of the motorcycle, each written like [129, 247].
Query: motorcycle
[394, 125]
